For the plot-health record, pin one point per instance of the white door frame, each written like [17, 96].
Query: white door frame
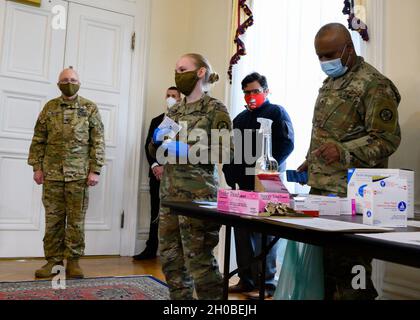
[132, 174]
[140, 10]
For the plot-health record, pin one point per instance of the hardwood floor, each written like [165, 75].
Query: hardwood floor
[23, 269]
[12, 270]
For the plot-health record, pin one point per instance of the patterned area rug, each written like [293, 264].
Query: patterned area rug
[113, 288]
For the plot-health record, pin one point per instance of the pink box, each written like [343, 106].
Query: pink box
[244, 202]
[250, 203]
[223, 200]
[266, 197]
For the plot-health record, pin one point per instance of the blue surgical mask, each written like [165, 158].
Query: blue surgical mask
[334, 68]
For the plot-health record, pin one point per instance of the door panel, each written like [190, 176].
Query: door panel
[98, 47]
[31, 56]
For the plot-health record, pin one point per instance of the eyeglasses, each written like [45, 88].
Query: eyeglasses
[71, 80]
[255, 91]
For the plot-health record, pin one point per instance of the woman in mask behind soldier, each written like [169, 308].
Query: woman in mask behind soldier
[186, 244]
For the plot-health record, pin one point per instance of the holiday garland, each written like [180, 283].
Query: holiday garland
[354, 22]
[240, 46]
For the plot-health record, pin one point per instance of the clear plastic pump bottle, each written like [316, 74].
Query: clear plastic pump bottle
[266, 163]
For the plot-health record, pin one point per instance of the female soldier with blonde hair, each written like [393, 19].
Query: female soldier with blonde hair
[187, 244]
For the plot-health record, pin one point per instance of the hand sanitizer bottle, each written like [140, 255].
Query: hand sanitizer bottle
[266, 163]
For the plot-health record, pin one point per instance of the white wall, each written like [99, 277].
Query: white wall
[402, 66]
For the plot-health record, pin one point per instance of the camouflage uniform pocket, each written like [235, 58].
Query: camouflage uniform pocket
[81, 127]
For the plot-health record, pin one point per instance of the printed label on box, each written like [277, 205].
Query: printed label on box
[386, 203]
[358, 180]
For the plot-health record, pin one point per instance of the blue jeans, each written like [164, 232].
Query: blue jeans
[248, 245]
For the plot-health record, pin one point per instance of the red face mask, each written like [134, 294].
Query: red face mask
[254, 101]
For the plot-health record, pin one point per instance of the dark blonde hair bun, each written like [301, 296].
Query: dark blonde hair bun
[214, 77]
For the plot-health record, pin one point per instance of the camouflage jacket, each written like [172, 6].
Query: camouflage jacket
[196, 181]
[68, 141]
[358, 113]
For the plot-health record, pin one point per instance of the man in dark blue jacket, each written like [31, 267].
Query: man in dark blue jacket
[248, 244]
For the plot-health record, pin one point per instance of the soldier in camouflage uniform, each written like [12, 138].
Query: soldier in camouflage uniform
[67, 153]
[355, 125]
[186, 244]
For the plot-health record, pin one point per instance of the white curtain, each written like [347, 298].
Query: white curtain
[280, 45]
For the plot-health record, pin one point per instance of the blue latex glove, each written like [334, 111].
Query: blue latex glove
[159, 134]
[298, 177]
[177, 148]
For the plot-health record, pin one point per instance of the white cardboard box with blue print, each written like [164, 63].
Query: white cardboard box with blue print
[386, 202]
[359, 179]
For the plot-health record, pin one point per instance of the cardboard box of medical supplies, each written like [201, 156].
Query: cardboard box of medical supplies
[358, 179]
[306, 204]
[322, 206]
[249, 203]
[386, 203]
